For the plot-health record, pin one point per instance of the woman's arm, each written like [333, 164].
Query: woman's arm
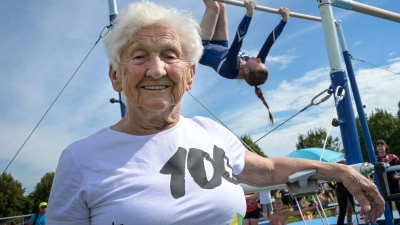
[304, 210]
[273, 36]
[260, 172]
[234, 49]
[253, 197]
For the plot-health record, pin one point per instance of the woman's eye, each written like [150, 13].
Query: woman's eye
[171, 58]
[170, 55]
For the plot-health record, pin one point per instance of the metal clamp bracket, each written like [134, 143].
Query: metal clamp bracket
[299, 185]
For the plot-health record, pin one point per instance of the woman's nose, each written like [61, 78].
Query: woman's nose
[156, 69]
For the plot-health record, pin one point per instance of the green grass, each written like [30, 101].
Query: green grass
[292, 219]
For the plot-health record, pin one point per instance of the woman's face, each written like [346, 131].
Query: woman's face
[154, 72]
[381, 148]
[278, 204]
[255, 64]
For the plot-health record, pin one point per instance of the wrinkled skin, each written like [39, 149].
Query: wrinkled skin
[261, 172]
[154, 75]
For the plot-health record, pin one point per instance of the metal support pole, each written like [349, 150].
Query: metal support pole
[360, 110]
[338, 77]
[112, 5]
[367, 9]
[272, 10]
[348, 128]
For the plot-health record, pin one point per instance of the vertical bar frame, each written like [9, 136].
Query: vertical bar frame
[338, 77]
[361, 115]
[112, 5]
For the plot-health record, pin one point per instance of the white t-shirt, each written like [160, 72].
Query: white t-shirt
[179, 176]
[265, 197]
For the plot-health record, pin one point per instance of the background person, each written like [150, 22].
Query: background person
[393, 178]
[266, 203]
[252, 210]
[279, 217]
[345, 201]
[154, 154]
[39, 218]
[286, 197]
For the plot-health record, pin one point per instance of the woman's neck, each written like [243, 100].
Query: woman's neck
[136, 122]
[383, 154]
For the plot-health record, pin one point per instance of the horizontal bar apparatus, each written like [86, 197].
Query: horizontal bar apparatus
[272, 10]
[367, 9]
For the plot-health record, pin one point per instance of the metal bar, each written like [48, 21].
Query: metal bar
[112, 6]
[377, 12]
[250, 189]
[367, 9]
[393, 168]
[272, 10]
[14, 217]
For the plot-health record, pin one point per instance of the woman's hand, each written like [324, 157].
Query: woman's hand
[250, 6]
[366, 192]
[396, 176]
[285, 12]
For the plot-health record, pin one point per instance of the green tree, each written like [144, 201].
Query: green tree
[42, 191]
[246, 139]
[316, 138]
[12, 199]
[382, 125]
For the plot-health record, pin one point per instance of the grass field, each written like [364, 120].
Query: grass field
[295, 218]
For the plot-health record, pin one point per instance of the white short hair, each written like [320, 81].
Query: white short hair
[143, 14]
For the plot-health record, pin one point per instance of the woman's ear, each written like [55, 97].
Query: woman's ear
[115, 79]
[190, 78]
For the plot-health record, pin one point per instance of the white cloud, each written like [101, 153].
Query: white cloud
[377, 87]
[283, 60]
[394, 60]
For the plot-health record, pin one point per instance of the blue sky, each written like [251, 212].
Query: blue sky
[43, 42]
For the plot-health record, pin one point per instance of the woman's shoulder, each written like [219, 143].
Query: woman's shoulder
[273, 215]
[207, 124]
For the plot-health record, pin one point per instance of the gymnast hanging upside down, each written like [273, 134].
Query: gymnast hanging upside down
[230, 62]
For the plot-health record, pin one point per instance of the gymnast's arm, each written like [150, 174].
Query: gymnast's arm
[274, 35]
[232, 55]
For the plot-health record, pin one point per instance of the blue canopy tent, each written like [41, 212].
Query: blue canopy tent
[315, 154]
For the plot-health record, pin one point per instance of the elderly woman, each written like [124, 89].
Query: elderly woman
[155, 166]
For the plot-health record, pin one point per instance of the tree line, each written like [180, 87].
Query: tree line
[13, 202]
[381, 123]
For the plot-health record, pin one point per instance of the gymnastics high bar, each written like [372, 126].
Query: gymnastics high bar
[272, 10]
[366, 9]
[344, 4]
